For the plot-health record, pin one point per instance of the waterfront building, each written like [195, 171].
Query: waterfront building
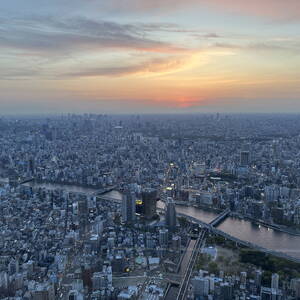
[171, 217]
[149, 202]
[128, 207]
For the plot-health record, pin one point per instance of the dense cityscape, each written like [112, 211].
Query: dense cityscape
[150, 207]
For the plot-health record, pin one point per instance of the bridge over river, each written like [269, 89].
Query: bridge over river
[243, 231]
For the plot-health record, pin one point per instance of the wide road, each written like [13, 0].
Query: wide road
[173, 290]
[188, 273]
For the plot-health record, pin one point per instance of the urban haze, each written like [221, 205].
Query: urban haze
[150, 150]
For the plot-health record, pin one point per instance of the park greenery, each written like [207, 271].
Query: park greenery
[270, 264]
[247, 258]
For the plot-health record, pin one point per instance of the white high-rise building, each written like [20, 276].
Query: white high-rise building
[275, 281]
[243, 278]
[211, 284]
[295, 286]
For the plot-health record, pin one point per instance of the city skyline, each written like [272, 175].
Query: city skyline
[150, 207]
[149, 57]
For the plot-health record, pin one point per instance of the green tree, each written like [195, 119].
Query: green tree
[213, 268]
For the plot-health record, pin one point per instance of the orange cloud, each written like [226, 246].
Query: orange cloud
[155, 66]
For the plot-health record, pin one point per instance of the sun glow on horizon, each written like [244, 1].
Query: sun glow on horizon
[176, 56]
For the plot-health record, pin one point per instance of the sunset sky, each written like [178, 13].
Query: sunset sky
[137, 56]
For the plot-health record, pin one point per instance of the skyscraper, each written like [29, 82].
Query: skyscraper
[82, 215]
[245, 158]
[258, 276]
[128, 207]
[171, 218]
[163, 238]
[275, 281]
[200, 286]
[31, 166]
[149, 202]
[295, 286]
[226, 291]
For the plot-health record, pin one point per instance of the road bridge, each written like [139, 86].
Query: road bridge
[107, 198]
[221, 217]
[26, 180]
[240, 242]
[105, 190]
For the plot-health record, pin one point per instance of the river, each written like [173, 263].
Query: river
[241, 229]
[60, 186]
[262, 236]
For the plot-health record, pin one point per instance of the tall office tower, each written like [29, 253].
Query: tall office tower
[243, 278]
[149, 241]
[295, 286]
[82, 207]
[98, 281]
[176, 242]
[149, 202]
[245, 158]
[226, 290]
[275, 281]
[4, 280]
[75, 295]
[171, 218]
[211, 284]
[200, 286]
[163, 238]
[82, 215]
[31, 166]
[128, 207]
[258, 276]
[271, 193]
[13, 180]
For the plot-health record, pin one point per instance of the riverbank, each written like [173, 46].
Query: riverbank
[241, 217]
[209, 209]
[266, 224]
[242, 229]
[94, 189]
[87, 186]
[198, 206]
